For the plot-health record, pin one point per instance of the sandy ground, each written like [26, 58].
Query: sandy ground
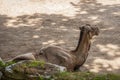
[28, 25]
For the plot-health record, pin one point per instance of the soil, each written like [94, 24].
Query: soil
[28, 25]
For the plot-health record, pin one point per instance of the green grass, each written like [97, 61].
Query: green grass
[82, 76]
[36, 63]
[2, 64]
[85, 76]
[9, 63]
[31, 64]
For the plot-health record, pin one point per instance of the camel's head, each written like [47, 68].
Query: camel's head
[92, 31]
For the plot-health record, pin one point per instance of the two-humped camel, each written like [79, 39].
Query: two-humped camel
[73, 59]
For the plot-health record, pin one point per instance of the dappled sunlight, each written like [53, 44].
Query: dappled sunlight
[53, 42]
[105, 65]
[102, 10]
[110, 49]
[18, 22]
[83, 12]
[116, 13]
[97, 11]
[36, 36]
[53, 23]
[93, 17]
[39, 28]
[108, 62]
[64, 19]
[63, 28]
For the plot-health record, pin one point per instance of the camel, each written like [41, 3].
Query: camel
[71, 59]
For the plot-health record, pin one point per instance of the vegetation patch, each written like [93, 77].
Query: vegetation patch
[64, 75]
[9, 63]
[85, 76]
[36, 63]
[2, 64]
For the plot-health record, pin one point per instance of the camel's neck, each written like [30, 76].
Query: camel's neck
[83, 45]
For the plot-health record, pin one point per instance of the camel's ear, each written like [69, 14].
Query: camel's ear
[82, 27]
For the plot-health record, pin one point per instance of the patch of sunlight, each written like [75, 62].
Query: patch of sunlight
[110, 64]
[53, 42]
[39, 28]
[115, 47]
[60, 42]
[109, 49]
[15, 22]
[48, 42]
[34, 21]
[35, 36]
[53, 23]
[9, 23]
[16, 26]
[104, 63]
[83, 12]
[28, 7]
[63, 28]
[116, 13]
[108, 2]
[93, 17]
[64, 19]
[95, 69]
[102, 10]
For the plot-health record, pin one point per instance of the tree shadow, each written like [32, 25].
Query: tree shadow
[28, 33]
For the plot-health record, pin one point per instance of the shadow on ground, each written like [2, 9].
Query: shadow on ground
[28, 33]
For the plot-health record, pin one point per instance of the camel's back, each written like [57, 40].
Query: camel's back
[56, 51]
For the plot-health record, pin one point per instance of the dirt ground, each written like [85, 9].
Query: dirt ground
[28, 25]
